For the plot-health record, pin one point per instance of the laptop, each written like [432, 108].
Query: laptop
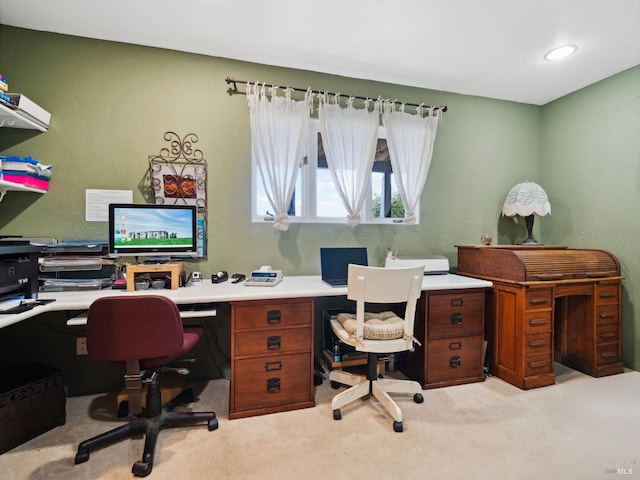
[334, 263]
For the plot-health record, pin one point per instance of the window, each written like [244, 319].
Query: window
[316, 199]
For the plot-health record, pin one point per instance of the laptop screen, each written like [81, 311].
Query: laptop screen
[334, 263]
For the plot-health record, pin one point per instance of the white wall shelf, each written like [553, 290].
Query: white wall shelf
[14, 119]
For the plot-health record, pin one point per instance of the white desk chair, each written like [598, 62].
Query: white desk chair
[377, 333]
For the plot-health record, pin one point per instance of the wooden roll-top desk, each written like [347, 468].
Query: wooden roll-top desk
[548, 304]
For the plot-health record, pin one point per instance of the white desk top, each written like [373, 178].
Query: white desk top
[207, 292]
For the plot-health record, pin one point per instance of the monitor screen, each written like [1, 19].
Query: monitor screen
[152, 230]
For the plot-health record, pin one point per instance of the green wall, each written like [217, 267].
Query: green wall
[112, 103]
[591, 171]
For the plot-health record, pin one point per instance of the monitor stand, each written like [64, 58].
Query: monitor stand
[159, 260]
[168, 270]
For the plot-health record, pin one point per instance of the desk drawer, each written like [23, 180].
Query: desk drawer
[607, 294]
[539, 298]
[277, 341]
[455, 314]
[271, 381]
[537, 322]
[452, 358]
[537, 364]
[536, 343]
[251, 316]
[608, 353]
[607, 334]
[607, 314]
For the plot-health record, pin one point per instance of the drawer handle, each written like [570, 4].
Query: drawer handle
[456, 318]
[606, 315]
[609, 355]
[455, 345]
[606, 335]
[273, 385]
[607, 295]
[537, 343]
[456, 302]
[274, 342]
[271, 366]
[538, 300]
[274, 317]
[534, 322]
[538, 364]
[455, 362]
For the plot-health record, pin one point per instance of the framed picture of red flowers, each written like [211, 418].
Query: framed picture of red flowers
[178, 176]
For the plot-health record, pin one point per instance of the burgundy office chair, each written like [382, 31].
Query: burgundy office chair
[141, 332]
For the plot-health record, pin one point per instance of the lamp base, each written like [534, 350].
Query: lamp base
[528, 220]
[531, 242]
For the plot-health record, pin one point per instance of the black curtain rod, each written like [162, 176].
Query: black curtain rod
[234, 81]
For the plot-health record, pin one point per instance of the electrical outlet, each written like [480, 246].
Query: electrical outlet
[81, 346]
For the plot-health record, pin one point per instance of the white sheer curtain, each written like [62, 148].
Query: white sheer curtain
[349, 139]
[279, 129]
[410, 139]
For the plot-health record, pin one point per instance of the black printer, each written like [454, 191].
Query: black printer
[18, 268]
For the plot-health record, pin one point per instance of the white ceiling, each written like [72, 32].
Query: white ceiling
[490, 48]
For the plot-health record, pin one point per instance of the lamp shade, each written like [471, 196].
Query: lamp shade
[526, 199]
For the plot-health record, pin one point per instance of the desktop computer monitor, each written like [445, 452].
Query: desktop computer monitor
[151, 230]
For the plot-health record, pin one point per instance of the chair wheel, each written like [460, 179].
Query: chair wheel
[418, 398]
[337, 415]
[212, 424]
[397, 426]
[81, 457]
[141, 469]
[335, 385]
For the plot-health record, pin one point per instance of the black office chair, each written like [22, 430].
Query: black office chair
[141, 332]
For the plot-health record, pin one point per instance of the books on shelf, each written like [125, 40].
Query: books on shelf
[25, 171]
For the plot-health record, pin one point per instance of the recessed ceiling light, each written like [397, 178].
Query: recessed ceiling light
[560, 52]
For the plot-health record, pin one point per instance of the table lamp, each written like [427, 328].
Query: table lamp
[527, 199]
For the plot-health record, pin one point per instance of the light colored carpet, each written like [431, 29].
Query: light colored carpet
[580, 428]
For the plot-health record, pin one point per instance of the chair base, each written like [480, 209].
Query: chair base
[172, 384]
[154, 419]
[380, 388]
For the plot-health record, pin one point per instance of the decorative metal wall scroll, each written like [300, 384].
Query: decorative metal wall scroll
[179, 177]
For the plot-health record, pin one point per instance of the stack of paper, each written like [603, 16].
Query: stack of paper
[25, 171]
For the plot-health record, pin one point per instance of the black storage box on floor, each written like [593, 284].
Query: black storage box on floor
[32, 401]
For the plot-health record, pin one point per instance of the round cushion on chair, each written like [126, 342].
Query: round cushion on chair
[377, 326]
